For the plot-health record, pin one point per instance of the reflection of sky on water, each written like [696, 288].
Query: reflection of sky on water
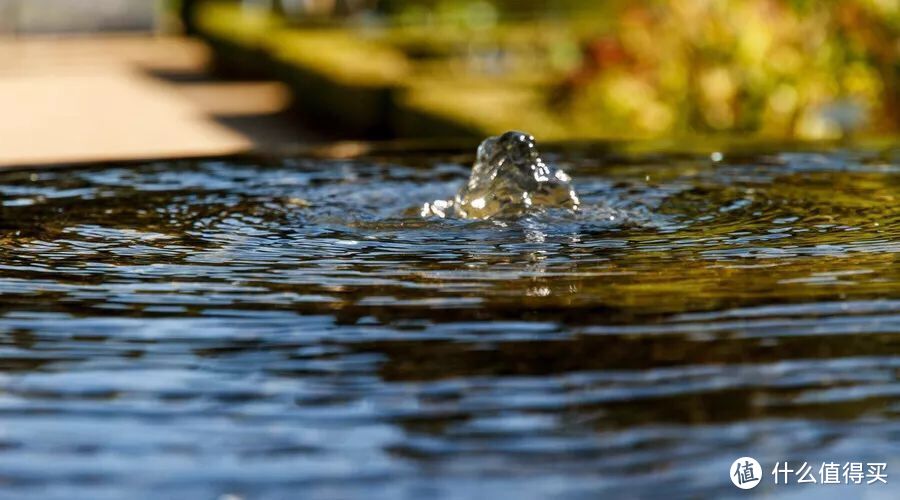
[207, 328]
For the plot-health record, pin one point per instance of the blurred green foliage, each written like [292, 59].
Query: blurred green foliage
[779, 68]
[773, 68]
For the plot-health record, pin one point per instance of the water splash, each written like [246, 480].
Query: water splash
[509, 179]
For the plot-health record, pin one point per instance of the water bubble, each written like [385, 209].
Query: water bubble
[508, 179]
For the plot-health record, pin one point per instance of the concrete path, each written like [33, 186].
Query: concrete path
[80, 99]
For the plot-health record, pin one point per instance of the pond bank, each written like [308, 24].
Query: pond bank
[129, 97]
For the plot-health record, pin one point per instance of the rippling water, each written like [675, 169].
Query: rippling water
[294, 329]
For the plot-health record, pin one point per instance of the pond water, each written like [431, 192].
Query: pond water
[293, 328]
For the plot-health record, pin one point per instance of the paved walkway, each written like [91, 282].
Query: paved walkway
[67, 100]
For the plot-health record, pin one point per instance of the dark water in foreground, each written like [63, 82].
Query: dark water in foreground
[226, 329]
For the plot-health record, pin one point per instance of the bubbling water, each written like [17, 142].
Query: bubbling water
[509, 179]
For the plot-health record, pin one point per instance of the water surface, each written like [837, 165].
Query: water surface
[293, 328]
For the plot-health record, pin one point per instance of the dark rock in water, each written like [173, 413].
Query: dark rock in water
[509, 178]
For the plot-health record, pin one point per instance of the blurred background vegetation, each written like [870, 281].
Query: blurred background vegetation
[574, 68]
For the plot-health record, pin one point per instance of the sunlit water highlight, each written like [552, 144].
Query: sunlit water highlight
[295, 328]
